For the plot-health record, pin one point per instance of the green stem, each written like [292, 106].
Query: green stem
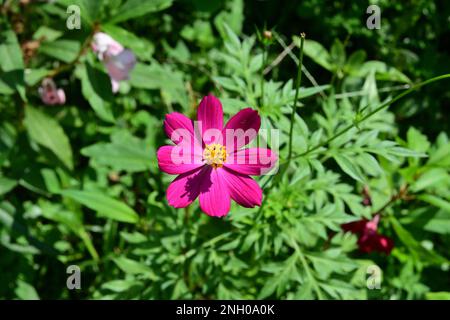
[294, 107]
[264, 57]
[370, 114]
[70, 65]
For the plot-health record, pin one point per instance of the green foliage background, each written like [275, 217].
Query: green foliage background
[79, 183]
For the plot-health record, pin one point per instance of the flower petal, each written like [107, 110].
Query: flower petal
[241, 129]
[103, 43]
[179, 128]
[186, 188]
[384, 244]
[177, 159]
[252, 161]
[214, 197]
[357, 227]
[115, 86]
[243, 189]
[61, 96]
[119, 66]
[210, 117]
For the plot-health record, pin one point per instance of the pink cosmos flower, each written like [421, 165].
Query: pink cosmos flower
[118, 61]
[50, 94]
[210, 160]
[369, 239]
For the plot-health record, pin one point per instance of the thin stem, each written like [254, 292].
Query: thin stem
[264, 57]
[294, 58]
[370, 114]
[294, 107]
[307, 269]
[83, 48]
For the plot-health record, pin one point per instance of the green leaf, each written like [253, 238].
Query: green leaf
[337, 53]
[33, 76]
[71, 220]
[349, 167]
[136, 8]
[382, 72]
[134, 267]
[355, 61]
[25, 291]
[141, 47]
[125, 152]
[6, 185]
[104, 205]
[64, 50]
[331, 261]
[96, 88]
[429, 219]
[11, 63]
[442, 295]
[424, 255]
[162, 77]
[435, 201]
[417, 141]
[316, 52]
[120, 285]
[10, 52]
[430, 178]
[48, 133]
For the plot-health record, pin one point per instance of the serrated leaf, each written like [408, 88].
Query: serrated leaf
[349, 167]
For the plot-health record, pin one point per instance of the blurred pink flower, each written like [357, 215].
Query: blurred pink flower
[118, 61]
[50, 94]
[369, 239]
[209, 159]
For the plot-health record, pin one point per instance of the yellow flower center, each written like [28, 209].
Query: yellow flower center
[215, 155]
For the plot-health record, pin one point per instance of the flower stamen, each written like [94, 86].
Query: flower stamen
[215, 155]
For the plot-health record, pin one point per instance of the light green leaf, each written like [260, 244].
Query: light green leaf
[11, 63]
[421, 253]
[64, 50]
[10, 53]
[316, 52]
[435, 201]
[417, 141]
[349, 167]
[48, 133]
[430, 178]
[6, 185]
[120, 285]
[442, 295]
[123, 153]
[104, 205]
[136, 8]
[134, 267]
[140, 46]
[25, 291]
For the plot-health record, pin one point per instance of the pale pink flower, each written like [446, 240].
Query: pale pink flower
[50, 94]
[118, 61]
